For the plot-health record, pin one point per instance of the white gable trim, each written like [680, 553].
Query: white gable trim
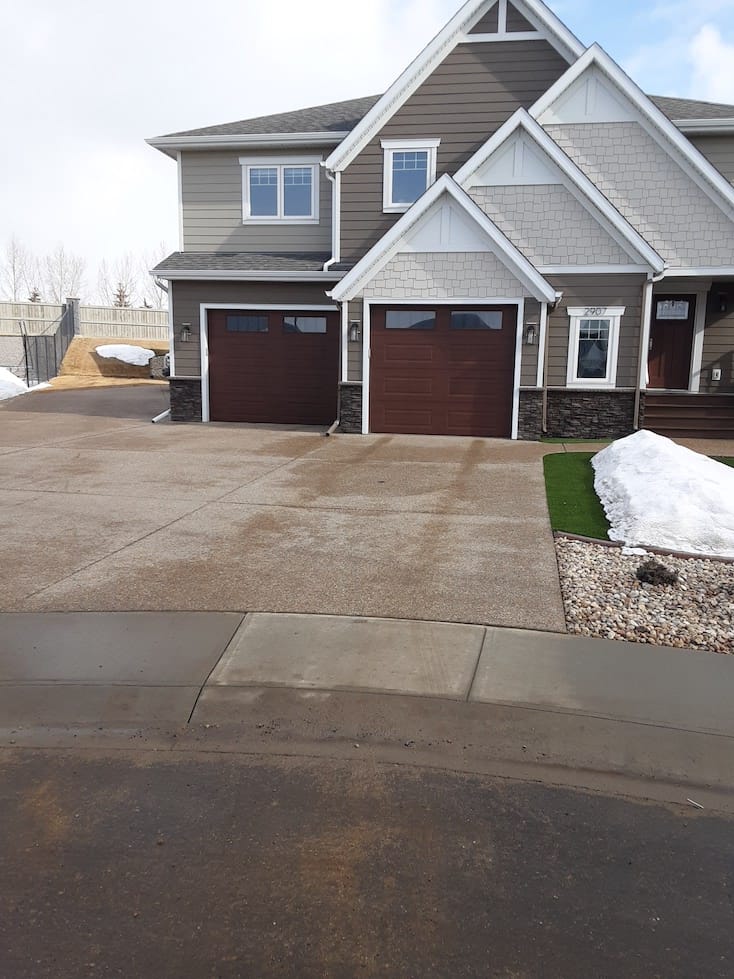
[439, 48]
[394, 241]
[576, 182]
[655, 123]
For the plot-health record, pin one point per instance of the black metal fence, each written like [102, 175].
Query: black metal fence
[44, 353]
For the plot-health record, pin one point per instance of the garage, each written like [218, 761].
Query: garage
[277, 366]
[442, 370]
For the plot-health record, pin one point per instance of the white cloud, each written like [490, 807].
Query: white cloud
[712, 59]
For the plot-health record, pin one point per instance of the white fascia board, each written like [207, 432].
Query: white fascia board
[709, 272]
[703, 127]
[709, 177]
[174, 276]
[523, 120]
[442, 45]
[381, 253]
[170, 144]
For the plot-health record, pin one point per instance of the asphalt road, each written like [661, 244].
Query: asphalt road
[205, 865]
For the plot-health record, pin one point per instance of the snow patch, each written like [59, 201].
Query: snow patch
[127, 353]
[12, 386]
[658, 494]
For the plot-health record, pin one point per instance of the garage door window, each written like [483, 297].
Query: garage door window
[467, 319]
[247, 324]
[409, 319]
[304, 324]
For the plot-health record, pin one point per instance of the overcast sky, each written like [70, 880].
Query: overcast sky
[84, 82]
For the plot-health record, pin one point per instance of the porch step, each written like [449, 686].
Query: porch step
[690, 416]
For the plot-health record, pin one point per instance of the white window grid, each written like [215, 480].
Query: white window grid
[407, 155]
[594, 323]
[280, 175]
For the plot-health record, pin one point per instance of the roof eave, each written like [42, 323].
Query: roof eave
[700, 127]
[175, 275]
[170, 145]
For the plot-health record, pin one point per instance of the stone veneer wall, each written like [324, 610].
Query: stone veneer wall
[185, 399]
[577, 414]
[350, 409]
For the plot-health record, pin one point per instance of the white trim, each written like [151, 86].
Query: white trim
[646, 326]
[702, 273]
[542, 341]
[173, 275]
[453, 301]
[179, 169]
[702, 127]
[278, 163]
[578, 313]
[577, 183]
[344, 344]
[502, 17]
[389, 245]
[699, 329]
[658, 125]
[336, 216]
[439, 48]
[392, 146]
[519, 336]
[204, 336]
[512, 36]
[168, 144]
[594, 269]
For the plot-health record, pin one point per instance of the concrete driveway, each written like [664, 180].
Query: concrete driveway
[102, 511]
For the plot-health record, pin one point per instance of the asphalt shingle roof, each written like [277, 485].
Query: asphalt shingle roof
[680, 109]
[243, 262]
[344, 116]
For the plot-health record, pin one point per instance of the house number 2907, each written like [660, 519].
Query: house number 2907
[594, 311]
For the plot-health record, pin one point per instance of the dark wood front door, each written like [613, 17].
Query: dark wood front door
[273, 366]
[442, 370]
[671, 342]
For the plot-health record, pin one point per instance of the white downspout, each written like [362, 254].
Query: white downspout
[336, 223]
[644, 344]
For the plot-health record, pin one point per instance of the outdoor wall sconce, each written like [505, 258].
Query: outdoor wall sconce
[354, 331]
[531, 334]
[723, 302]
[185, 334]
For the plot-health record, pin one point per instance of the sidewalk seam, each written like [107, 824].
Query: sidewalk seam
[476, 667]
[237, 628]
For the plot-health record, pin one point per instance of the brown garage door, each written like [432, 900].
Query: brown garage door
[272, 366]
[442, 371]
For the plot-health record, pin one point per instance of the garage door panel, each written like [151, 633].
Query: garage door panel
[446, 381]
[278, 376]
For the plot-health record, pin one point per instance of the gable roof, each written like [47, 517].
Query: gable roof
[439, 48]
[595, 200]
[689, 110]
[389, 245]
[656, 122]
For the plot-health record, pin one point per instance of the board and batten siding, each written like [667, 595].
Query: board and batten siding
[596, 290]
[187, 298]
[718, 150]
[463, 102]
[212, 206]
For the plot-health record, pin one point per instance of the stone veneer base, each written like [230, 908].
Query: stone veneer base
[350, 409]
[577, 414]
[185, 399]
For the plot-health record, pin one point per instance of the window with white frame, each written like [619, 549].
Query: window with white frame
[409, 170]
[593, 347]
[274, 192]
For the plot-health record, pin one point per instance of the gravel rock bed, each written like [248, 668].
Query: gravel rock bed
[604, 599]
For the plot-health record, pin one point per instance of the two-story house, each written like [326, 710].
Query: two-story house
[514, 240]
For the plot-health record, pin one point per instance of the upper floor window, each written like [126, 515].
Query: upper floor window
[409, 170]
[593, 346]
[275, 192]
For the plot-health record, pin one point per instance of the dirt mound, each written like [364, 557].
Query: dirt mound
[82, 361]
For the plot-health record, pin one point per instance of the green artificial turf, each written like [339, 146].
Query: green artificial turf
[573, 504]
[727, 461]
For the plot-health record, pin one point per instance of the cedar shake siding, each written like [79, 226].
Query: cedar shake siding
[463, 102]
[186, 299]
[718, 150]
[212, 206]
[596, 290]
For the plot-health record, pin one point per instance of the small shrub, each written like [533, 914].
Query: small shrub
[654, 573]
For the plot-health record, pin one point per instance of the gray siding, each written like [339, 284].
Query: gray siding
[463, 102]
[549, 226]
[596, 290]
[529, 363]
[652, 191]
[489, 24]
[718, 150]
[187, 297]
[354, 348]
[516, 21]
[212, 207]
[718, 341]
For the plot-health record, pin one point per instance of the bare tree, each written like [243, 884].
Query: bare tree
[117, 283]
[63, 274]
[152, 295]
[14, 270]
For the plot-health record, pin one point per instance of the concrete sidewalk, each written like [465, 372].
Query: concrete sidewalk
[165, 668]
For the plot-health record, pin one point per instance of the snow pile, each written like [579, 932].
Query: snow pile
[128, 354]
[657, 493]
[10, 385]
